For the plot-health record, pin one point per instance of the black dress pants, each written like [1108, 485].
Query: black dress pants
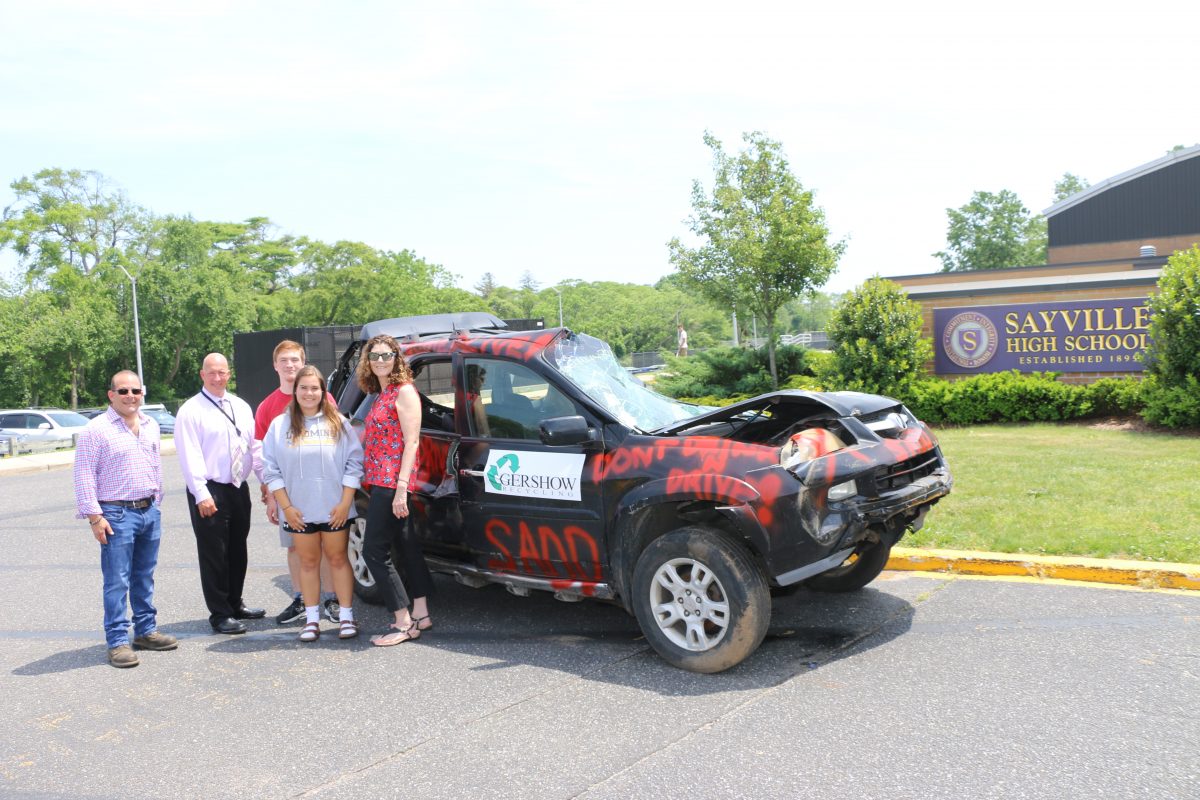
[221, 545]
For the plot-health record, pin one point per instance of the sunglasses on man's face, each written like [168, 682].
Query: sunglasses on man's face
[123, 391]
[381, 356]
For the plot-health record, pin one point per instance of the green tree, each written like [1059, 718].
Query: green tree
[993, 231]
[878, 345]
[1068, 185]
[67, 217]
[527, 298]
[763, 239]
[68, 229]
[486, 285]
[810, 312]
[194, 292]
[630, 317]
[1172, 389]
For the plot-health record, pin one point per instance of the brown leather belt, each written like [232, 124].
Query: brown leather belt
[146, 503]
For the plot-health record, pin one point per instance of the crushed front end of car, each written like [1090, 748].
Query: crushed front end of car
[853, 473]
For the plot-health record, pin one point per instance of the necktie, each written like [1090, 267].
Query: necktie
[237, 451]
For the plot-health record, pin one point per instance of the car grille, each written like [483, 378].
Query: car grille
[901, 474]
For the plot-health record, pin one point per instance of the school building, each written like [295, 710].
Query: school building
[1084, 312]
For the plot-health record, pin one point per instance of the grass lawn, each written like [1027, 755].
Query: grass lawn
[1068, 489]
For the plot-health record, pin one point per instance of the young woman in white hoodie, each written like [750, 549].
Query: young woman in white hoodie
[312, 463]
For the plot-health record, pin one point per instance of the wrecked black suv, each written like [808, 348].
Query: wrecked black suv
[576, 479]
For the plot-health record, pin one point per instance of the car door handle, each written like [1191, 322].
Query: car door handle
[474, 473]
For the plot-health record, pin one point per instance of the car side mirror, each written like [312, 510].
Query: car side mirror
[559, 431]
[45, 426]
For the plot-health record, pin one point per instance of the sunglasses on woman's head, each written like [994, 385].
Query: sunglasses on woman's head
[380, 356]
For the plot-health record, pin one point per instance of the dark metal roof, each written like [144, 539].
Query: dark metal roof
[1158, 199]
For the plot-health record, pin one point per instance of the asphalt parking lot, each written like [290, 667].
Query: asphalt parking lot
[920, 686]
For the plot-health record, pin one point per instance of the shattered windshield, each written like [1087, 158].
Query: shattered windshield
[590, 364]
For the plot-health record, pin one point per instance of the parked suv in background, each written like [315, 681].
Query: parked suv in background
[587, 484]
[52, 426]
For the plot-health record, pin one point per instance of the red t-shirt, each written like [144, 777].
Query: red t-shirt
[275, 404]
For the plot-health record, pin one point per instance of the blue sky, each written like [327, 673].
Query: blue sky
[562, 138]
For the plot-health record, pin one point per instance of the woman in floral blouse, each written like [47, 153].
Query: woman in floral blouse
[390, 441]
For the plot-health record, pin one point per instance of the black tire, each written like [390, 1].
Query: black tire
[718, 582]
[364, 583]
[855, 572]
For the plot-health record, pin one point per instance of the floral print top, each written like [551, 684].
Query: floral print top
[383, 441]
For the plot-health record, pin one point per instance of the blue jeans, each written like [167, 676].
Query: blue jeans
[127, 562]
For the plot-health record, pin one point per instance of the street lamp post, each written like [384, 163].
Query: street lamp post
[560, 316]
[137, 331]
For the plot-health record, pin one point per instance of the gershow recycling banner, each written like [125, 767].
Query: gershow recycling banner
[1065, 336]
[551, 476]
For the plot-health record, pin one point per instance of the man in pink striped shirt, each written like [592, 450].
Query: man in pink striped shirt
[118, 488]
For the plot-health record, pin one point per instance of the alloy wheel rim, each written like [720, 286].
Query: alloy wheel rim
[689, 604]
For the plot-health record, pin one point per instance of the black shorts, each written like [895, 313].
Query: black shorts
[317, 527]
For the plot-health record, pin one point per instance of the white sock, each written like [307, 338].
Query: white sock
[346, 614]
[312, 614]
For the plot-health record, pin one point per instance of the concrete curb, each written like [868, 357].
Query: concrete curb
[1145, 574]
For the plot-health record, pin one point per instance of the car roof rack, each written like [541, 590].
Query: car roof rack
[433, 325]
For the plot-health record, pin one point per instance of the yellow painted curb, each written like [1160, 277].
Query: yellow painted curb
[1146, 574]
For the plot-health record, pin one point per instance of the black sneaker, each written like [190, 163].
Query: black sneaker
[292, 613]
[332, 609]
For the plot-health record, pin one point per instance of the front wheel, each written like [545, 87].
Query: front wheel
[701, 601]
[862, 567]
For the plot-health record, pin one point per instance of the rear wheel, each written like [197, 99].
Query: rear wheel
[701, 601]
[862, 567]
[364, 583]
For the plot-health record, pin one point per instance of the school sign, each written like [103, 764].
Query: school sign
[1061, 336]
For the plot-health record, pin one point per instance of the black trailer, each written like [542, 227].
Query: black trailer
[252, 352]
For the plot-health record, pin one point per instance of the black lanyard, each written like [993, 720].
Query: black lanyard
[224, 413]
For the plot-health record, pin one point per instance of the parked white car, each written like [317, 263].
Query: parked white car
[53, 426]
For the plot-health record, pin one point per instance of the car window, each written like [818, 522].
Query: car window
[435, 380]
[12, 421]
[68, 419]
[509, 401]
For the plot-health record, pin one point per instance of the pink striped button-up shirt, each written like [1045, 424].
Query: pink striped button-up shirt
[113, 464]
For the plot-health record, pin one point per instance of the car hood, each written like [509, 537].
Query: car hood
[842, 404]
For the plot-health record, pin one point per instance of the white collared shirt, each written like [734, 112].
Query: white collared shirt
[204, 435]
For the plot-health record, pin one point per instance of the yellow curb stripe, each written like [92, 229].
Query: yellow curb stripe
[1108, 587]
[1144, 574]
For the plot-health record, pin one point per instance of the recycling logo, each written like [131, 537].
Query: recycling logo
[508, 460]
[548, 476]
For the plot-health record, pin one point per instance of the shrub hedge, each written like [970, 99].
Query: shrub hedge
[1016, 397]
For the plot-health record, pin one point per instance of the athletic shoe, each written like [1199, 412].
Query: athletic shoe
[332, 609]
[292, 613]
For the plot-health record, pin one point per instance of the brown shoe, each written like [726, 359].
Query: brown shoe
[122, 656]
[156, 640]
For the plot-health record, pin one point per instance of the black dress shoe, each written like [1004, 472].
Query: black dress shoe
[250, 613]
[228, 625]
